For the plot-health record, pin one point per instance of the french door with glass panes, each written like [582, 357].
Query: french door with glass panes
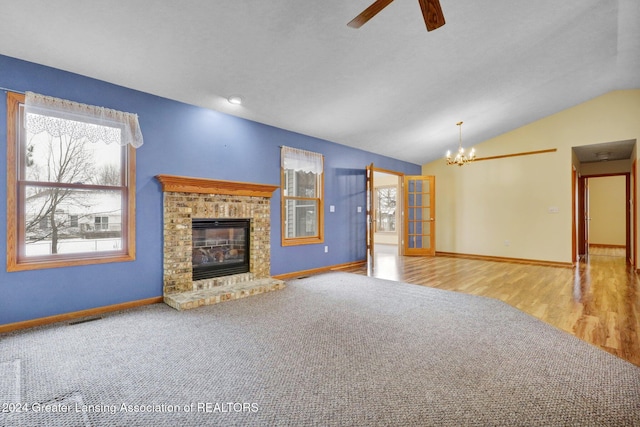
[419, 215]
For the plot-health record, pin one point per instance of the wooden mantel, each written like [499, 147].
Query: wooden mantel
[185, 184]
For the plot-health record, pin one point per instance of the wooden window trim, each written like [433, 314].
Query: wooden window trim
[308, 240]
[13, 211]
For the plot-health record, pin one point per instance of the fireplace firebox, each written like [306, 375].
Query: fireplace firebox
[220, 247]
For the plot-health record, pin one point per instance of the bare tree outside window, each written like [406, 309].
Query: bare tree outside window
[69, 182]
[386, 209]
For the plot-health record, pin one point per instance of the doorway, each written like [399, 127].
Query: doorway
[387, 205]
[600, 161]
[604, 213]
[400, 215]
[384, 212]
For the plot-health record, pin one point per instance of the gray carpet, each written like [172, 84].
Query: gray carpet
[330, 350]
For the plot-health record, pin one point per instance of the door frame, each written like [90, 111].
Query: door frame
[370, 216]
[632, 207]
[370, 196]
[582, 226]
[574, 214]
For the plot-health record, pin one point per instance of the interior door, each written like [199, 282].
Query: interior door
[419, 218]
[370, 217]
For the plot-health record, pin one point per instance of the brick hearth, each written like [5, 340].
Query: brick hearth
[187, 198]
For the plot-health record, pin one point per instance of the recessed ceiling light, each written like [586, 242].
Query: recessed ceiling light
[235, 99]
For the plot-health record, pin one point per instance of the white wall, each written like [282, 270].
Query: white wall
[501, 207]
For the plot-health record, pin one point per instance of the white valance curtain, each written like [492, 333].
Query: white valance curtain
[97, 124]
[306, 161]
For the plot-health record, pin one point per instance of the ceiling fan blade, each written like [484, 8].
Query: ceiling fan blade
[369, 13]
[432, 13]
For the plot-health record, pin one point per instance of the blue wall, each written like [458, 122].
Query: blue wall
[180, 139]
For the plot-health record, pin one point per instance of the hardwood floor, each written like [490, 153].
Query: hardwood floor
[598, 301]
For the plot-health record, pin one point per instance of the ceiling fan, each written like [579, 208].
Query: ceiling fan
[431, 11]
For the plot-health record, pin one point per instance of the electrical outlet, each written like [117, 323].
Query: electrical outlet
[326, 249]
[507, 242]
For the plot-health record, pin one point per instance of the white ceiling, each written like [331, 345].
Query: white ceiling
[389, 87]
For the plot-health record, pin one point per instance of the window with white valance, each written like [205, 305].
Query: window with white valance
[71, 183]
[302, 181]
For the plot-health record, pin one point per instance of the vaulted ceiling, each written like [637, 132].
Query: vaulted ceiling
[389, 87]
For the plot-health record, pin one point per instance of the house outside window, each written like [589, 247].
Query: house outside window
[302, 176]
[73, 183]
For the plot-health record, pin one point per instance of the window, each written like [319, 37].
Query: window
[302, 175]
[102, 223]
[385, 209]
[71, 195]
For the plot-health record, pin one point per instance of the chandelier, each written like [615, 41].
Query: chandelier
[461, 158]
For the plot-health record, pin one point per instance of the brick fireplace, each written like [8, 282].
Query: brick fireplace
[186, 199]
